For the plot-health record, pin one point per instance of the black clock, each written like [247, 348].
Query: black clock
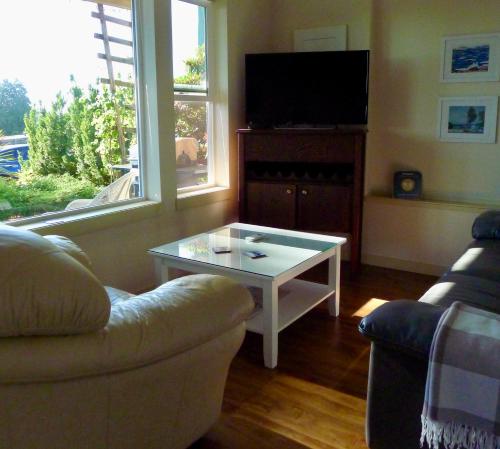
[408, 184]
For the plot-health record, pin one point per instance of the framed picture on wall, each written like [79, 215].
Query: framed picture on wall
[468, 119]
[332, 38]
[470, 58]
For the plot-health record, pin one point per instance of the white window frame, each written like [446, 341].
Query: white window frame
[207, 98]
[152, 33]
[60, 216]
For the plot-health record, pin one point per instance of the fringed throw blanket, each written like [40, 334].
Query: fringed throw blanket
[462, 394]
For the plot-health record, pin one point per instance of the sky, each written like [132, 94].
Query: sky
[44, 42]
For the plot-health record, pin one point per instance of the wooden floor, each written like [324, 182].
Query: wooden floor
[315, 398]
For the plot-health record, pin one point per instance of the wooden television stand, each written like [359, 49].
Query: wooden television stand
[304, 179]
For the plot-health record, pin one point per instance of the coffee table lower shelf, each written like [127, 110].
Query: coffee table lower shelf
[296, 298]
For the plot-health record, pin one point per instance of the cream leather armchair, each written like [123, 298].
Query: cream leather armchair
[83, 366]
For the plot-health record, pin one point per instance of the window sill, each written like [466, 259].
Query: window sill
[202, 197]
[91, 221]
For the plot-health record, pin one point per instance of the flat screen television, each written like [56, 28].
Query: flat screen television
[316, 89]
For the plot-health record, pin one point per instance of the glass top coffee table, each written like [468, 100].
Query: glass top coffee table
[287, 254]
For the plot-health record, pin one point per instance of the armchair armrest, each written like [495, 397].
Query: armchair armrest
[487, 225]
[181, 314]
[403, 325]
[144, 329]
[71, 248]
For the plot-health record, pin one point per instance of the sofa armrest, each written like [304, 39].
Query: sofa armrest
[172, 319]
[403, 325]
[487, 226]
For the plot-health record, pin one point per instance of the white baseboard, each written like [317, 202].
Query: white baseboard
[404, 265]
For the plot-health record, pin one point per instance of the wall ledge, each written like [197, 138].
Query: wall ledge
[431, 204]
[403, 265]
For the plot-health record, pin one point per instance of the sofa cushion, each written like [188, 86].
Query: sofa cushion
[473, 279]
[44, 290]
[481, 259]
[472, 290]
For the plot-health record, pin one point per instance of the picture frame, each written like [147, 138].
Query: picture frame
[468, 119]
[471, 58]
[332, 38]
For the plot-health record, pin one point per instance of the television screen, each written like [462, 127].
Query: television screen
[307, 89]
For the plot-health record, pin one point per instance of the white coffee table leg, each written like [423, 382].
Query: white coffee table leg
[334, 282]
[162, 270]
[270, 311]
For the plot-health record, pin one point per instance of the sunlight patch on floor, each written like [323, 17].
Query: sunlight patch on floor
[369, 307]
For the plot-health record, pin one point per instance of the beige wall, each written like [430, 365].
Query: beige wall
[249, 31]
[119, 252]
[414, 236]
[405, 88]
[300, 14]
[404, 37]
[404, 99]
[405, 42]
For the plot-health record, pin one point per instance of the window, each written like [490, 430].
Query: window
[192, 95]
[68, 133]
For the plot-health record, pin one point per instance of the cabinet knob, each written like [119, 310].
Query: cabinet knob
[289, 191]
[304, 192]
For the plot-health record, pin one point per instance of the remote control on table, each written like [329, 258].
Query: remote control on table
[221, 249]
[254, 238]
[254, 254]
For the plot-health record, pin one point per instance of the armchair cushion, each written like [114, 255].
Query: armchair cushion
[46, 291]
[487, 225]
[144, 329]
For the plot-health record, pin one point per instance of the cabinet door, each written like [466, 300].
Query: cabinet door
[270, 204]
[324, 208]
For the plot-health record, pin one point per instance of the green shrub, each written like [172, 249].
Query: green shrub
[40, 194]
[79, 136]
